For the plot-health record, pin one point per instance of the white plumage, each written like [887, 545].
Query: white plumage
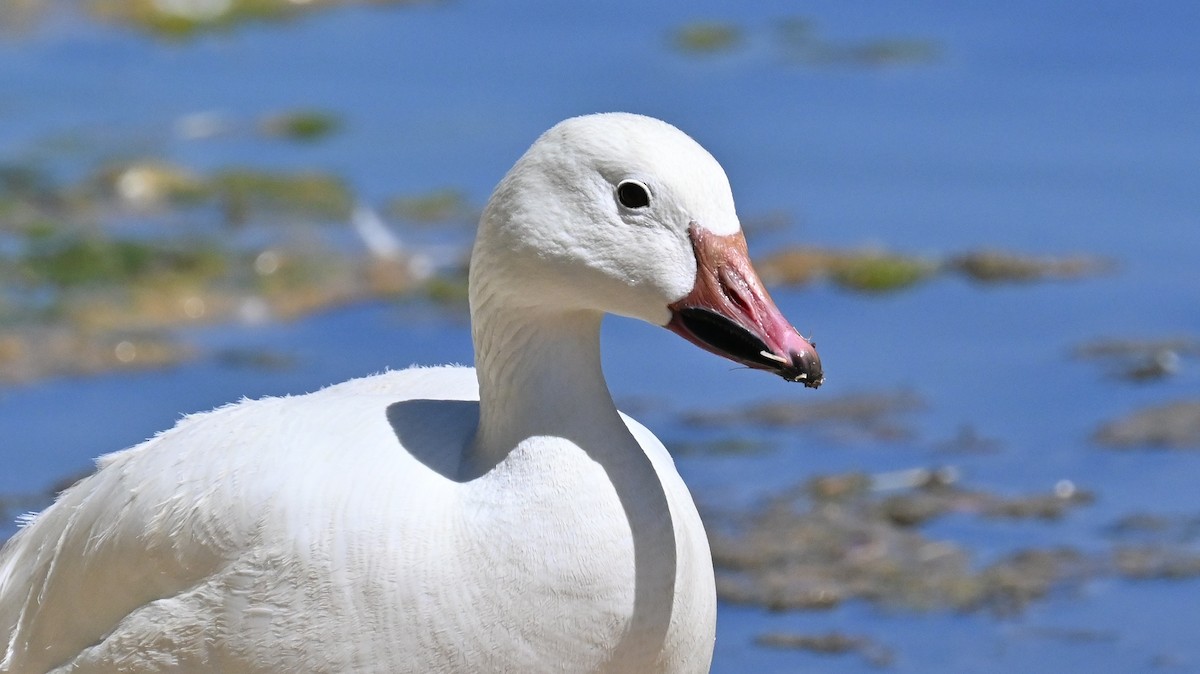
[395, 523]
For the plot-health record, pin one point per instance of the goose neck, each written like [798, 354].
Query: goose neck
[539, 375]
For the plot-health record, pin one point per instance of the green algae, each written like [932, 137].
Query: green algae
[301, 125]
[145, 245]
[80, 260]
[437, 206]
[802, 43]
[706, 37]
[244, 192]
[448, 290]
[869, 271]
[881, 273]
[798, 41]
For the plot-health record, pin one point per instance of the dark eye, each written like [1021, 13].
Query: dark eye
[633, 194]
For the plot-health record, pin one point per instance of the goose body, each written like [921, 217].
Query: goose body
[503, 518]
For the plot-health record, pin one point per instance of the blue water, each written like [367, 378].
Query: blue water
[1046, 128]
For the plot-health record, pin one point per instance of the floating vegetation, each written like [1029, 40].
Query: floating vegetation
[29, 353]
[880, 273]
[308, 282]
[179, 18]
[1156, 562]
[849, 417]
[245, 192]
[841, 537]
[706, 37]
[874, 53]
[1137, 348]
[726, 446]
[866, 270]
[143, 307]
[799, 265]
[182, 18]
[448, 290]
[1154, 527]
[1159, 365]
[994, 266]
[438, 206]
[801, 43]
[936, 499]
[121, 286]
[967, 440]
[921, 494]
[152, 184]
[77, 260]
[877, 271]
[301, 125]
[1141, 360]
[1156, 547]
[31, 201]
[830, 643]
[241, 193]
[81, 295]
[1168, 426]
[23, 186]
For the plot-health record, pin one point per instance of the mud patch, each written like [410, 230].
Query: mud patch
[830, 643]
[997, 266]
[1167, 426]
[849, 418]
[1156, 562]
[844, 537]
[31, 353]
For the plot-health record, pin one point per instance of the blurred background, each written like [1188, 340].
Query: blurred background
[987, 215]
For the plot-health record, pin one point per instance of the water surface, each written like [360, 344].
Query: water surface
[1041, 128]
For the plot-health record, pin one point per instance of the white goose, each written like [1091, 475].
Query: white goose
[505, 518]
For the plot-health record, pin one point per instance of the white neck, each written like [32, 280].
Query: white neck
[539, 375]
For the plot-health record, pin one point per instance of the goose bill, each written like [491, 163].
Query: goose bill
[730, 313]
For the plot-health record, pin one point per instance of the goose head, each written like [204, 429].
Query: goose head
[625, 214]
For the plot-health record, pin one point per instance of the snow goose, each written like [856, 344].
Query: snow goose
[448, 519]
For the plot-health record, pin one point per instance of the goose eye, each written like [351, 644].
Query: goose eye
[633, 194]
